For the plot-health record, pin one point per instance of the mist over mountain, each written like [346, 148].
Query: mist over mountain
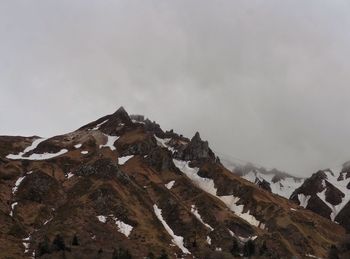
[264, 82]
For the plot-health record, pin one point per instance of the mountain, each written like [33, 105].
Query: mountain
[327, 192]
[273, 180]
[121, 187]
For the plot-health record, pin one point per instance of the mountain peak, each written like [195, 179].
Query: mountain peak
[121, 112]
[121, 109]
[121, 115]
[196, 137]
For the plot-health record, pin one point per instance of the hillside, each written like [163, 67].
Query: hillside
[121, 187]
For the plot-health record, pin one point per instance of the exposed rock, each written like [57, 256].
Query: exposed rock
[311, 186]
[153, 127]
[161, 159]
[263, 184]
[137, 117]
[333, 195]
[197, 150]
[343, 217]
[141, 148]
[101, 168]
[40, 187]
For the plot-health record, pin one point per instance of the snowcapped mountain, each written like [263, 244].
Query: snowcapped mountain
[273, 180]
[327, 193]
[121, 187]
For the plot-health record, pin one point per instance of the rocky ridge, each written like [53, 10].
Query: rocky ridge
[124, 187]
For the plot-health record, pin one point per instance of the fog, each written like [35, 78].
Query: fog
[262, 81]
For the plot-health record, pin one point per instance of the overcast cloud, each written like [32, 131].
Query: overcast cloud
[263, 81]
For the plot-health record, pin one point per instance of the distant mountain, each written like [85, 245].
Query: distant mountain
[274, 181]
[327, 193]
[121, 187]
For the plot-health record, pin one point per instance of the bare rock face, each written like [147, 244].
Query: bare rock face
[326, 195]
[311, 185]
[39, 187]
[104, 168]
[263, 184]
[197, 150]
[343, 217]
[160, 159]
[333, 194]
[139, 147]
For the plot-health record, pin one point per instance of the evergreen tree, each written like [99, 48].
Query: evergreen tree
[100, 251]
[150, 256]
[333, 252]
[121, 254]
[75, 241]
[263, 249]
[43, 247]
[163, 255]
[249, 248]
[58, 243]
[235, 248]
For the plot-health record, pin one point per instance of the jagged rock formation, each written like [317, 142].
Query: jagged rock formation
[120, 186]
[327, 193]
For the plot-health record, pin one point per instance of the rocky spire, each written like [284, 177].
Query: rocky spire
[197, 149]
[121, 115]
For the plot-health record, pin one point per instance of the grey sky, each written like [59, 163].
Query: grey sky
[264, 81]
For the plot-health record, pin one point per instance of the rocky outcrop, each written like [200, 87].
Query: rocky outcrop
[39, 187]
[160, 159]
[311, 186]
[139, 147]
[327, 195]
[104, 168]
[196, 150]
[263, 184]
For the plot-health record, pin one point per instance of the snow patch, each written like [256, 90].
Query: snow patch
[123, 227]
[36, 156]
[313, 256]
[341, 186]
[208, 186]
[170, 185]
[110, 142]
[47, 221]
[33, 146]
[284, 187]
[195, 212]
[84, 152]
[164, 143]
[122, 160]
[177, 240]
[43, 156]
[18, 182]
[240, 238]
[70, 175]
[102, 218]
[208, 240]
[13, 205]
[303, 200]
[98, 125]
[78, 146]
[26, 244]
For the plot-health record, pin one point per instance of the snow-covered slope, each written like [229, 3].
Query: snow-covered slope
[273, 180]
[328, 193]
